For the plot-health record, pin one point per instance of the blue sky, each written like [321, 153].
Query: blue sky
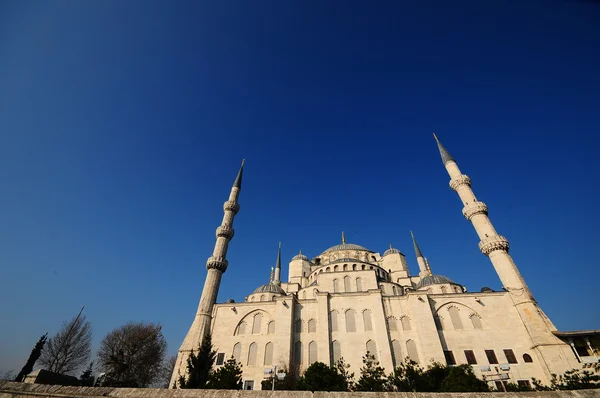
[122, 126]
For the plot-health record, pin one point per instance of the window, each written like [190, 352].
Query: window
[268, 354]
[298, 326]
[249, 385]
[510, 356]
[312, 352]
[527, 358]
[491, 356]
[345, 267]
[392, 324]
[336, 286]
[358, 285]
[449, 358]
[372, 348]
[523, 384]
[271, 327]
[298, 352]
[242, 328]
[333, 319]
[455, 318]
[470, 355]
[336, 352]
[237, 351]
[347, 284]
[252, 354]
[396, 353]
[335, 268]
[476, 321]
[367, 320]
[405, 323]
[312, 326]
[411, 348]
[262, 297]
[443, 288]
[256, 324]
[220, 358]
[350, 322]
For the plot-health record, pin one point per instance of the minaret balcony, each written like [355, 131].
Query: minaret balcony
[493, 243]
[473, 209]
[460, 180]
[225, 231]
[231, 206]
[218, 263]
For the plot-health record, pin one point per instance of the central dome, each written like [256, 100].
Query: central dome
[345, 246]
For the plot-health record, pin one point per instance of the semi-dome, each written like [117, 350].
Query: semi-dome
[391, 250]
[269, 288]
[345, 246]
[300, 256]
[434, 280]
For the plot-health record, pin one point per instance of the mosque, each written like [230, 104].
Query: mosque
[349, 300]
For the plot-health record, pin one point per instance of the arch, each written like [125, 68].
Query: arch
[345, 267]
[443, 289]
[298, 326]
[256, 323]
[392, 327]
[271, 327]
[252, 354]
[268, 354]
[455, 317]
[333, 320]
[353, 267]
[363, 267]
[359, 285]
[396, 353]
[312, 352]
[405, 321]
[312, 326]
[457, 289]
[336, 352]
[411, 349]
[336, 286]
[241, 329]
[262, 297]
[335, 268]
[372, 348]
[476, 321]
[350, 321]
[371, 267]
[298, 352]
[367, 320]
[527, 358]
[347, 284]
[327, 269]
[373, 258]
[382, 287]
[251, 298]
[237, 351]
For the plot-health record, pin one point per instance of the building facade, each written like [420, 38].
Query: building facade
[350, 300]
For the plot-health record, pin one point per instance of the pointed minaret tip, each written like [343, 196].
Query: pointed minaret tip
[446, 157]
[278, 263]
[417, 249]
[343, 238]
[238, 180]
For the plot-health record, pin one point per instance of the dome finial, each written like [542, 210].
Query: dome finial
[343, 238]
[446, 157]
[391, 246]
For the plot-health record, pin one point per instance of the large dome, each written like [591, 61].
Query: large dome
[269, 288]
[345, 246]
[434, 280]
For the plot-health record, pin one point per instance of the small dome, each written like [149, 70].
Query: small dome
[434, 280]
[300, 256]
[486, 289]
[229, 301]
[269, 288]
[391, 250]
[345, 246]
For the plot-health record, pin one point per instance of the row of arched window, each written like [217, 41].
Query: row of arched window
[371, 348]
[312, 352]
[392, 323]
[455, 319]
[311, 326]
[337, 287]
[256, 327]
[251, 359]
[355, 267]
[263, 297]
[350, 321]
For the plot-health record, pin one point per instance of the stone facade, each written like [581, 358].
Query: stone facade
[349, 300]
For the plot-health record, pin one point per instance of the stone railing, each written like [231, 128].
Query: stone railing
[460, 180]
[476, 208]
[493, 243]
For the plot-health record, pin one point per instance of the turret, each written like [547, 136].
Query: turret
[394, 261]
[424, 269]
[299, 269]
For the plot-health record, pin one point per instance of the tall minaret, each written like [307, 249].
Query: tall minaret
[277, 277]
[424, 269]
[216, 265]
[496, 247]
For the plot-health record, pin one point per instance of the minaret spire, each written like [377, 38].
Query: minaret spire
[424, 269]
[343, 238]
[277, 277]
[446, 157]
[216, 265]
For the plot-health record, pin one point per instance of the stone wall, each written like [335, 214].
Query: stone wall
[10, 389]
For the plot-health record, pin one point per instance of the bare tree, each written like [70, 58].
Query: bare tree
[70, 349]
[165, 372]
[132, 355]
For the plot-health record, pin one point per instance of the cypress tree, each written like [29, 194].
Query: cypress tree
[33, 357]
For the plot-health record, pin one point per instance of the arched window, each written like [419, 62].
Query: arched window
[359, 285]
[353, 267]
[256, 324]
[367, 320]
[373, 258]
[345, 267]
[336, 352]
[252, 298]
[237, 351]
[333, 320]
[443, 288]
[268, 354]
[336, 286]
[347, 284]
[372, 348]
[405, 323]
[312, 352]
[396, 353]
[271, 327]
[335, 268]
[391, 321]
[242, 328]
[476, 321]
[455, 317]
[394, 290]
[382, 287]
[411, 349]
[527, 358]
[298, 352]
[262, 297]
[363, 267]
[252, 354]
[350, 322]
[312, 326]
[298, 326]
[327, 269]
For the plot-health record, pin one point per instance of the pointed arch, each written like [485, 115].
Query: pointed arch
[372, 348]
[367, 320]
[359, 285]
[405, 321]
[252, 350]
[336, 286]
[476, 321]
[237, 351]
[347, 288]
[411, 349]
[257, 323]
[333, 320]
[312, 326]
[312, 352]
[271, 327]
[455, 317]
[336, 352]
[350, 321]
[391, 321]
[268, 354]
[241, 329]
[396, 353]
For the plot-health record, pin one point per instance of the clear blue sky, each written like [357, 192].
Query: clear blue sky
[123, 123]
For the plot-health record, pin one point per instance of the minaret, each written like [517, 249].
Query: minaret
[495, 246]
[216, 265]
[277, 277]
[424, 269]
